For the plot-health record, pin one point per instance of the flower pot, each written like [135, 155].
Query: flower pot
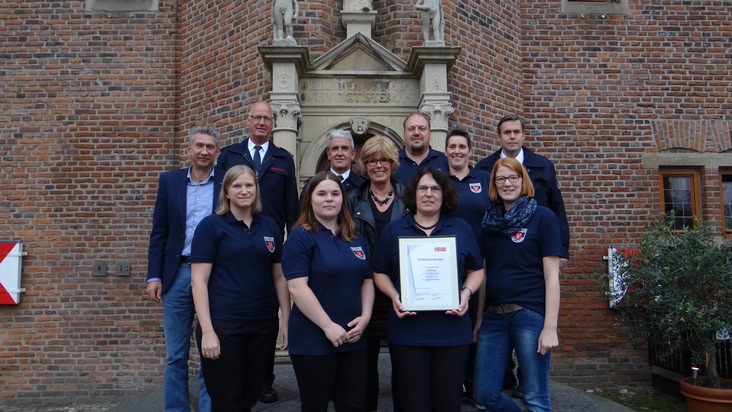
[703, 399]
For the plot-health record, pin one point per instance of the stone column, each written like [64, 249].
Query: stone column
[358, 16]
[432, 64]
[287, 63]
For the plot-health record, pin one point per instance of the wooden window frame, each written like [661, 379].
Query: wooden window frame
[695, 187]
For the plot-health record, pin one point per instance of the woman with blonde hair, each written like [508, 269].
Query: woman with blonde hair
[522, 246]
[377, 202]
[237, 284]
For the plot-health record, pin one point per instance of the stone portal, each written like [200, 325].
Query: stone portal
[358, 85]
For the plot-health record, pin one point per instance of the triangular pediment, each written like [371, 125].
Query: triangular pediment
[358, 54]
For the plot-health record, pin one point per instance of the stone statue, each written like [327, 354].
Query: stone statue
[432, 23]
[283, 11]
[358, 5]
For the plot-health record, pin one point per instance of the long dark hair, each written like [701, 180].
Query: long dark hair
[307, 217]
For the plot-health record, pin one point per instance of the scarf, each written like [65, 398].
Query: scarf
[497, 220]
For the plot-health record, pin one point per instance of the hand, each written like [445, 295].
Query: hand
[399, 308]
[154, 291]
[463, 307]
[548, 340]
[358, 326]
[335, 334]
[210, 346]
[563, 263]
[283, 336]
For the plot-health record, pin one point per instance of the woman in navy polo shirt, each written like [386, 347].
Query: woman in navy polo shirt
[522, 246]
[329, 277]
[237, 283]
[429, 348]
[473, 186]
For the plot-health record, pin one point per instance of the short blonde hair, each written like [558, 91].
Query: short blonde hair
[380, 145]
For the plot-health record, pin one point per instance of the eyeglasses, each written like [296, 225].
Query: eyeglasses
[383, 162]
[436, 190]
[502, 179]
[258, 119]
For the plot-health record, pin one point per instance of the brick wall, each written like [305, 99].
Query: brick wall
[95, 105]
[87, 103]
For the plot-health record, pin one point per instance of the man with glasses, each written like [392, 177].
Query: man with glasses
[417, 153]
[275, 170]
[544, 177]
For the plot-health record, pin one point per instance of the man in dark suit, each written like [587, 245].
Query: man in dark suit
[544, 178]
[275, 169]
[541, 170]
[341, 152]
[275, 166]
[185, 196]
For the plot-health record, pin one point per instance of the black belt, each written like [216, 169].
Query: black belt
[504, 308]
[185, 259]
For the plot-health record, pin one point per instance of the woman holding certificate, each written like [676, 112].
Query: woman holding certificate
[329, 276]
[428, 263]
[522, 245]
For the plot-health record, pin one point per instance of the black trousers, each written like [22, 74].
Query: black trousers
[341, 375]
[234, 380]
[429, 378]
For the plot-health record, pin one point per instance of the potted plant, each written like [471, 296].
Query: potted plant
[677, 292]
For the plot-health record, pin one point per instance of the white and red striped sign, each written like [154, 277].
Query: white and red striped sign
[11, 253]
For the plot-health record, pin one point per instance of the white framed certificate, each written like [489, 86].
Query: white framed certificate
[428, 273]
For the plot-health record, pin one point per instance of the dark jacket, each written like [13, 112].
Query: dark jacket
[276, 176]
[168, 233]
[360, 205]
[544, 177]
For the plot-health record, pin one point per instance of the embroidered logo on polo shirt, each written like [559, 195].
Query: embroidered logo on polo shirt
[269, 241]
[359, 252]
[519, 236]
[476, 188]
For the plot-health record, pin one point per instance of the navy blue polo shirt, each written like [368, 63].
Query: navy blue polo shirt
[408, 167]
[240, 287]
[474, 200]
[428, 328]
[336, 270]
[515, 272]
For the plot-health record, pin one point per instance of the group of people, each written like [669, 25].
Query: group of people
[217, 249]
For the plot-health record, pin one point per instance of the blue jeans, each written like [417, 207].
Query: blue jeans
[497, 335]
[178, 313]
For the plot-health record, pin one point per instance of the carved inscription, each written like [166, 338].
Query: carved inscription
[359, 91]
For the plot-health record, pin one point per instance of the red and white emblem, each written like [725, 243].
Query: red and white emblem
[11, 253]
[358, 251]
[269, 241]
[476, 187]
[519, 236]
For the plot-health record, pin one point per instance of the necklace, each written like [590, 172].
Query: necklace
[426, 227]
[379, 201]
